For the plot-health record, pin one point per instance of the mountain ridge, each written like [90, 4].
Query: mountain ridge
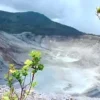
[34, 22]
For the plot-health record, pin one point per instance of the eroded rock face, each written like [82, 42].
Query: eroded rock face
[3, 69]
[71, 64]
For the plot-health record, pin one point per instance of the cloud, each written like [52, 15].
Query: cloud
[7, 8]
[76, 13]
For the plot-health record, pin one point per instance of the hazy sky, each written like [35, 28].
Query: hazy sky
[76, 13]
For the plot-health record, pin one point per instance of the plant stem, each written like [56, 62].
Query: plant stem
[24, 81]
[23, 87]
[30, 85]
[16, 95]
[21, 93]
[21, 96]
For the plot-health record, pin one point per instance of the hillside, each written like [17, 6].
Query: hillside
[71, 65]
[33, 22]
[76, 58]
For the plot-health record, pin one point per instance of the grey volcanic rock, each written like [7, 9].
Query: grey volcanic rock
[71, 64]
[94, 93]
[14, 50]
[3, 69]
[37, 96]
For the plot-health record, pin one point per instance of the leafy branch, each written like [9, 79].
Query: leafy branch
[20, 75]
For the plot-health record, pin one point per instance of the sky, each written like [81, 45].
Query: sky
[80, 14]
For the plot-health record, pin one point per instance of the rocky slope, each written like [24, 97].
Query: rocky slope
[77, 59]
[71, 58]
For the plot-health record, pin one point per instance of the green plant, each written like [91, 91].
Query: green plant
[20, 75]
[98, 12]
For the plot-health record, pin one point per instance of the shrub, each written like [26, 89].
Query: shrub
[98, 12]
[20, 75]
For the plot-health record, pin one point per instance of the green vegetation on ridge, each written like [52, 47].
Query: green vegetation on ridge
[33, 22]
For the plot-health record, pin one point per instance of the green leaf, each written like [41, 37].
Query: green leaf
[98, 10]
[35, 54]
[7, 94]
[5, 98]
[10, 78]
[6, 76]
[24, 72]
[34, 84]
[28, 62]
[11, 66]
[25, 67]
[40, 67]
[34, 71]
[20, 81]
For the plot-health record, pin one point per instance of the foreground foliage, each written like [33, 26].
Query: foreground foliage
[20, 75]
[98, 12]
